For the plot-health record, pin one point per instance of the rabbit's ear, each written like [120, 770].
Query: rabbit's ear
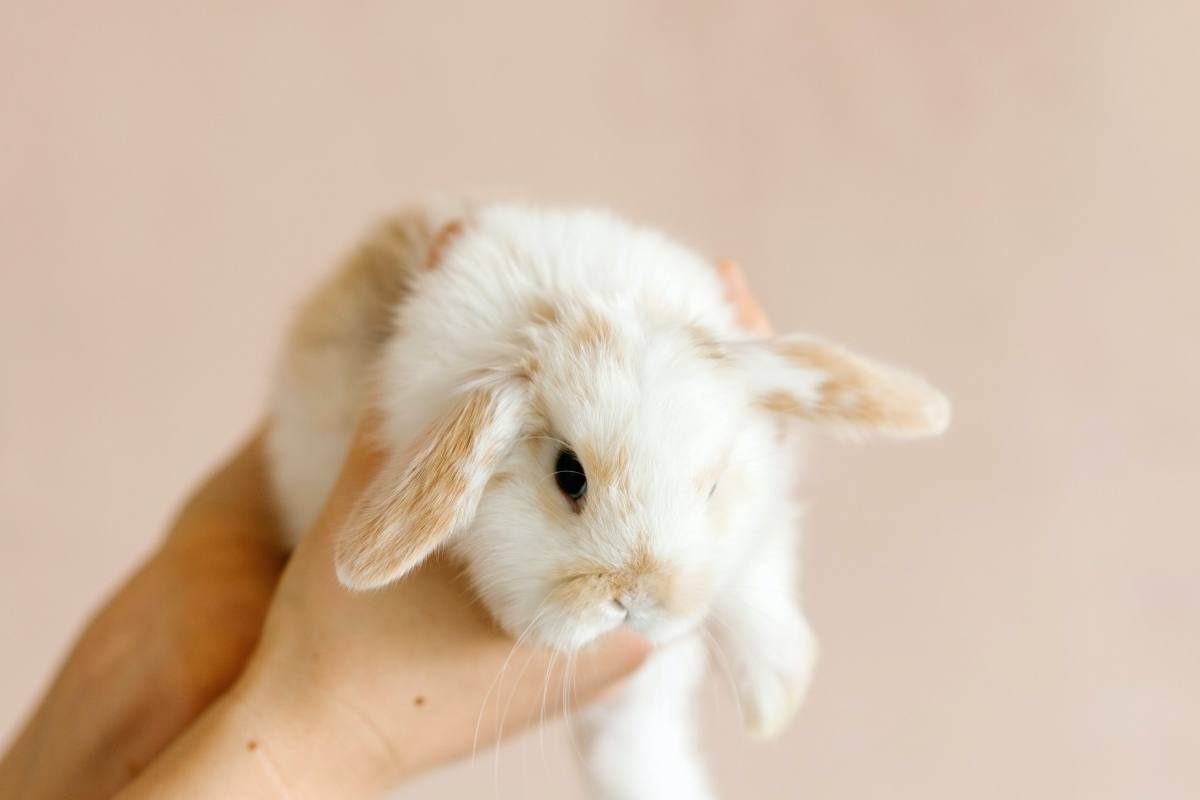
[832, 387]
[446, 235]
[422, 497]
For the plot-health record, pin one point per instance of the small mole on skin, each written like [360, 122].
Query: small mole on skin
[251, 745]
[418, 701]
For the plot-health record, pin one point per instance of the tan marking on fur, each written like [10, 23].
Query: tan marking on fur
[442, 241]
[528, 368]
[426, 497]
[706, 344]
[671, 590]
[539, 430]
[593, 332]
[537, 412]
[607, 467]
[407, 517]
[855, 392]
[537, 433]
[585, 584]
[643, 571]
[544, 312]
[580, 590]
[781, 402]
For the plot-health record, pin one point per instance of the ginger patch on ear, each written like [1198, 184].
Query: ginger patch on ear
[413, 506]
[427, 496]
[846, 390]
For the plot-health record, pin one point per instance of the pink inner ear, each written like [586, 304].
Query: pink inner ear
[442, 241]
[412, 507]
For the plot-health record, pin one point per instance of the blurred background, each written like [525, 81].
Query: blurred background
[1001, 195]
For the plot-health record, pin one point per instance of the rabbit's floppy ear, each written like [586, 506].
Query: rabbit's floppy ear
[828, 385]
[423, 496]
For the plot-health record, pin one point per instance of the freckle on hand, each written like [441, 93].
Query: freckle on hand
[418, 701]
[251, 745]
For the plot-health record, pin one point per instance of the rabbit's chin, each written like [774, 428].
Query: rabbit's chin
[568, 630]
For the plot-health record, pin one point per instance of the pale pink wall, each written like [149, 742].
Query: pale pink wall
[1002, 194]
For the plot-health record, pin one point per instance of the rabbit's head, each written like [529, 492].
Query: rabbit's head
[612, 464]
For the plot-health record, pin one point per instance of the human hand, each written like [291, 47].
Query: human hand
[171, 639]
[178, 633]
[349, 693]
[750, 314]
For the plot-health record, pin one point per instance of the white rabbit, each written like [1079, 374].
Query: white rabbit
[575, 415]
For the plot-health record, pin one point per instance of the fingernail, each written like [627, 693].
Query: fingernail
[731, 273]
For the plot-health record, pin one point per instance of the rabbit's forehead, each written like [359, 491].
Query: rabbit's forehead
[646, 404]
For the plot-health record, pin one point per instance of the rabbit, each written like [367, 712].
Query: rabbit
[574, 415]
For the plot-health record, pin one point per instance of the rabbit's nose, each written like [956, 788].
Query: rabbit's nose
[631, 603]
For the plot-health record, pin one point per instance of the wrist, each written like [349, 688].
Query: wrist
[263, 739]
[317, 743]
[117, 701]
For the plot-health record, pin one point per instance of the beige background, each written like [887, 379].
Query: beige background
[1001, 194]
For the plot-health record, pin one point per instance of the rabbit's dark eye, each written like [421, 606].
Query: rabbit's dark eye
[569, 475]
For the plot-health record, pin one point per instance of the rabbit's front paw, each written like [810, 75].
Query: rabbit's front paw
[774, 683]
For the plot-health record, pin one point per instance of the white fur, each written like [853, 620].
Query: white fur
[648, 392]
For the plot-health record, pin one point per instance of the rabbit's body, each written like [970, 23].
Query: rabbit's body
[516, 339]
